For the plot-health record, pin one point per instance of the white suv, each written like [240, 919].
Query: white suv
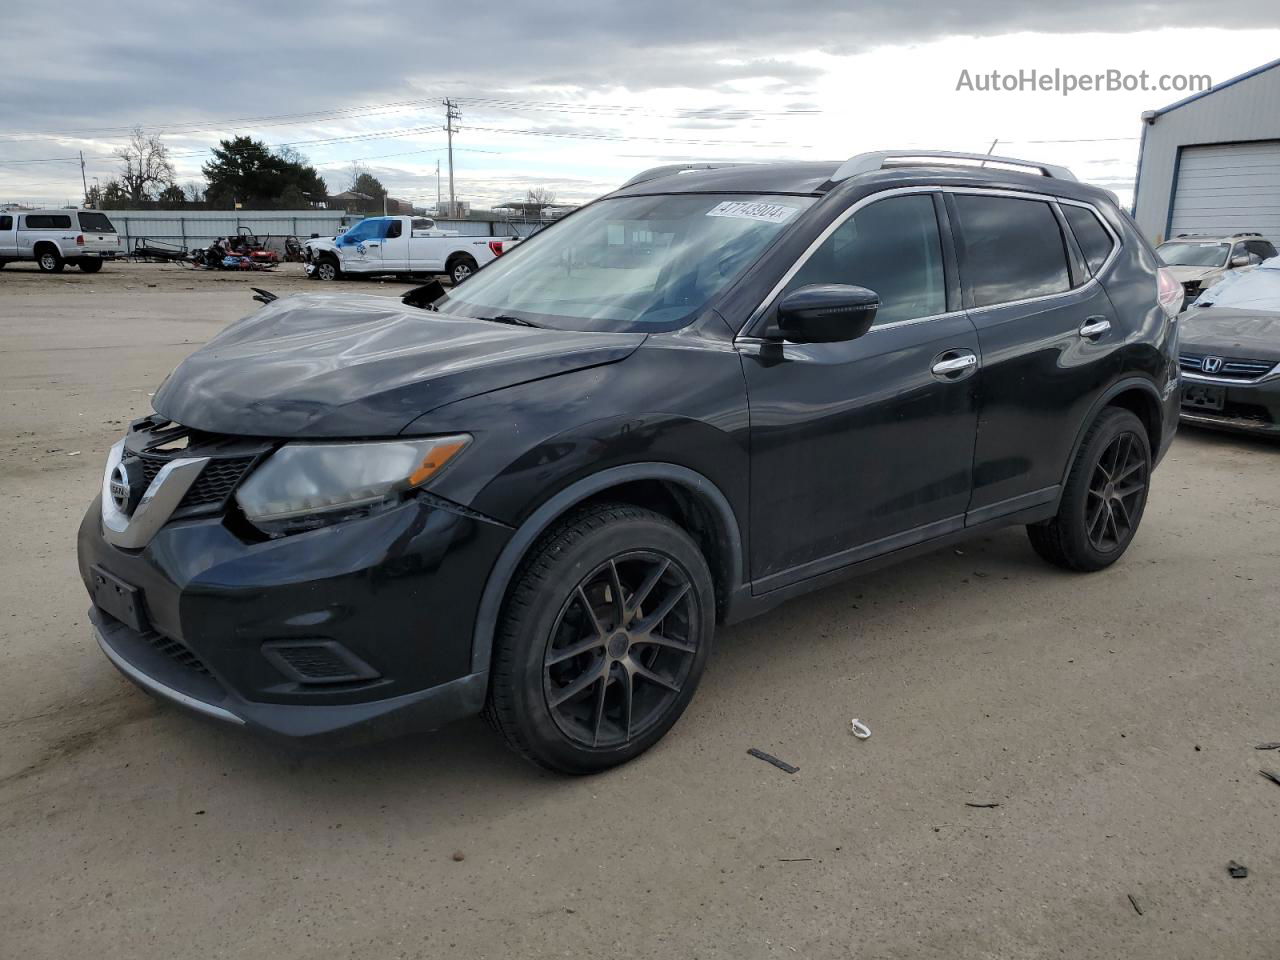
[54, 238]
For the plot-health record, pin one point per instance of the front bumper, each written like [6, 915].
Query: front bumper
[1247, 407]
[398, 590]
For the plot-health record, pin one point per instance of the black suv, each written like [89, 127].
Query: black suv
[536, 495]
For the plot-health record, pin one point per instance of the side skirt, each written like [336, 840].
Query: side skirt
[749, 601]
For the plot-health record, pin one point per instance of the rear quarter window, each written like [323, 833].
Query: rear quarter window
[1095, 243]
[48, 221]
[94, 222]
[1014, 249]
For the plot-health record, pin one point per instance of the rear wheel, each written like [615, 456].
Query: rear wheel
[460, 268]
[90, 264]
[48, 260]
[603, 639]
[1104, 499]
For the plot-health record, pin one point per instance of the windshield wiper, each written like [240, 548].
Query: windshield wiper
[514, 321]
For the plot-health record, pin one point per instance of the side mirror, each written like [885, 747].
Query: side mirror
[827, 313]
[1241, 260]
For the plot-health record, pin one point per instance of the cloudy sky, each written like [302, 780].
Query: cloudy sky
[577, 96]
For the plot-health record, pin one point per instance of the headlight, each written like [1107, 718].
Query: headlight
[305, 485]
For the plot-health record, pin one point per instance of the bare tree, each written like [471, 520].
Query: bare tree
[194, 192]
[539, 198]
[354, 173]
[146, 165]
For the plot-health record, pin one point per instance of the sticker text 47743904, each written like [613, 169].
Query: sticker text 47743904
[753, 210]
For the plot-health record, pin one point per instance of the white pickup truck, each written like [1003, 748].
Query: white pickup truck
[407, 245]
[54, 238]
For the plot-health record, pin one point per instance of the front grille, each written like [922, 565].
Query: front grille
[1232, 368]
[216, 482]
[178, 653]
[157, 442]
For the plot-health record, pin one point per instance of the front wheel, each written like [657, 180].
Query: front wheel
[327, 269]
[604, 637]
[90, 264]
[1104, 499]
[461, 268]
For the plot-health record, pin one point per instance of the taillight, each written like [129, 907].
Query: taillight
[496, 247]
[80, 240]
[1169, 293]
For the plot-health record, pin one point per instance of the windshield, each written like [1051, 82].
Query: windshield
[1193, 254]
[628, 264]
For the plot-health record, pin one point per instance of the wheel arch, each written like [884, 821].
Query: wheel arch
[40, 245]
[686, 496]
[1136, 394]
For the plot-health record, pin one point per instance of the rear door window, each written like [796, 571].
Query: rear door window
[1095, 243]
[892, 247]
[1262, 248]
[6, 223]
[1014, 249]
[94, 222]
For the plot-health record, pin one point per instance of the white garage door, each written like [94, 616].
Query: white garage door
[1228, 189]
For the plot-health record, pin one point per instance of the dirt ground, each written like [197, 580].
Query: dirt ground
[1112, 717]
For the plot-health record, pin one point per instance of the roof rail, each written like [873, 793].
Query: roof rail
[868, 162]
[653, 173]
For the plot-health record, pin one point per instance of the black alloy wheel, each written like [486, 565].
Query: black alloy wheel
[605, 632]
[621, 649]
[1116, 491]
[1104, 497]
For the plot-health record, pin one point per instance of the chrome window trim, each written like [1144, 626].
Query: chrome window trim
[769, 298]
[158, 503]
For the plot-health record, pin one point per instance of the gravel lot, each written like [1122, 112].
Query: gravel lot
[1112, 717]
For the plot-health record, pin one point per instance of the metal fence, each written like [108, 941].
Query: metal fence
[199, 228]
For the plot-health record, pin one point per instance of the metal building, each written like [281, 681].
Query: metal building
[1211, 163]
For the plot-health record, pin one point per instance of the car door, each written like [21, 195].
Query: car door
[862, 447]
[8, 236]
[394, 246]
[1049, 342]
[358, 256]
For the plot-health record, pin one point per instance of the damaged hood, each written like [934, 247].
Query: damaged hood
[354, 365]
[1224, 331]
[1195, 274]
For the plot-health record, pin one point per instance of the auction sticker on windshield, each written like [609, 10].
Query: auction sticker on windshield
[753, 210]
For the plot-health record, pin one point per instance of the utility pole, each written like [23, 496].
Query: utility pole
[451, 114]
[84, 182]
[437, 186]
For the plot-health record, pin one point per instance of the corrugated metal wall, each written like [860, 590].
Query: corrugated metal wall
[199, 228]
[1244, 111]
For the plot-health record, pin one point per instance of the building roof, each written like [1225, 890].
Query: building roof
[1215, 88]
[350, 195]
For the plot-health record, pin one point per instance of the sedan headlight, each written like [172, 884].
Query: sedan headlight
[306, 485]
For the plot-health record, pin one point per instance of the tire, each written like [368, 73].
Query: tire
[567, 711]
[1104, 499]
[90, 264]
[327, 269]
[49, 260]
[461, 268]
